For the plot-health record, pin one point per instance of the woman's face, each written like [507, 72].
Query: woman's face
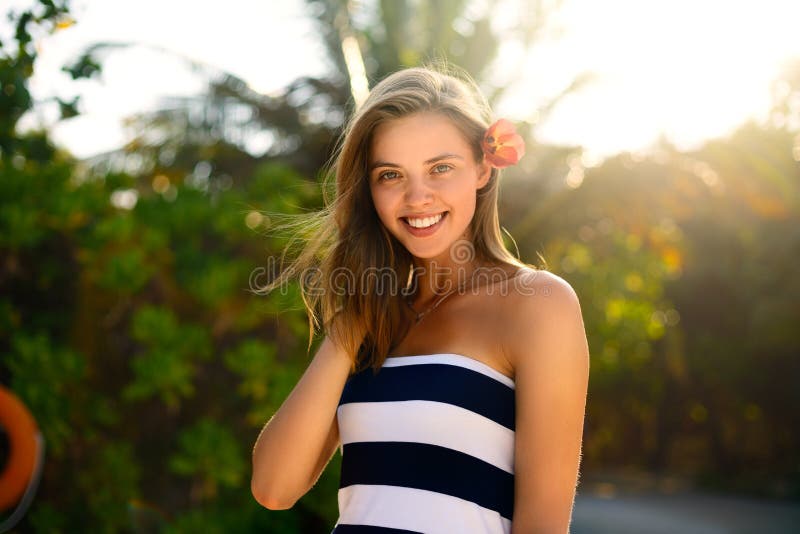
[423, 178]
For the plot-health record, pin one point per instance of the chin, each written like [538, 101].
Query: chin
[427, 253]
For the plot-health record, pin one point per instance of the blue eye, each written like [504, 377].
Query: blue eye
[388, 175]
[442, 167]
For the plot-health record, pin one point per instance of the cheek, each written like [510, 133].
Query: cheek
[383, 205]
[463, 198]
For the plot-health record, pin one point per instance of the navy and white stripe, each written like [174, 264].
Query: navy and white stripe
[427, 446]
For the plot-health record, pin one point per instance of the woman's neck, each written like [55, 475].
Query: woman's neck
[432, 278]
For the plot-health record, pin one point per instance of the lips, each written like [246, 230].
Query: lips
[423, 232]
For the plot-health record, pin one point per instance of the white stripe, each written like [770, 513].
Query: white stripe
[452, 359]
[436, 423]
[415, 509]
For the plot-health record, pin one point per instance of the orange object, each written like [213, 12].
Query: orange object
[22, 435]
[502, 145]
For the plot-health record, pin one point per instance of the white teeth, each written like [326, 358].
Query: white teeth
[424, 223]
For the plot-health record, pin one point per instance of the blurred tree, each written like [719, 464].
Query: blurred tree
[685, 262]
[115, 293]
[16, 66]
[231, 127]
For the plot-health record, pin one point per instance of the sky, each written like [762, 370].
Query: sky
[686, 69]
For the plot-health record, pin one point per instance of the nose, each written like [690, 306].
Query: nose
[418, 192]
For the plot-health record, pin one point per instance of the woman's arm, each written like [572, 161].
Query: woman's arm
[290, 448]
[547, 346]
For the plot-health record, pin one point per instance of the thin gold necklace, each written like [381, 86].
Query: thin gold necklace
[419, 315]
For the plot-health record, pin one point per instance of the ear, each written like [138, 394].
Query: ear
[484, 174]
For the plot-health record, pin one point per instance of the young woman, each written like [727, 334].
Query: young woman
[452, 376]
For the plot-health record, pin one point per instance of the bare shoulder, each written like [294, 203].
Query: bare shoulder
[537, 291]
[542, 311]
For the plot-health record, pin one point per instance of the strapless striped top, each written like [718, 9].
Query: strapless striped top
[427, 446]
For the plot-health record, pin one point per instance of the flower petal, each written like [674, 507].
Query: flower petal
[502, 145]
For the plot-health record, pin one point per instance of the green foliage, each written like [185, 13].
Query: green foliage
[211, 454]
[254, 361]
[47, 378]
[85, 67]
[16, 66]
[110, 486]
[223, 516]
[278, 189]
[167, 367]
[46, 518]
[219, 281]
[27, 215]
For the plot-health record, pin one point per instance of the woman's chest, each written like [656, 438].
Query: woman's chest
[469, 325]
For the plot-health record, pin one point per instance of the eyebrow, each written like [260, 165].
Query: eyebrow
[377, 164]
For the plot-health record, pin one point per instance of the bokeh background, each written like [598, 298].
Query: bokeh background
[143, 146]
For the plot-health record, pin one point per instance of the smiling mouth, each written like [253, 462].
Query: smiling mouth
[421, 223]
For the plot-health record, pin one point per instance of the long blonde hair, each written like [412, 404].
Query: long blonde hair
[346, 237]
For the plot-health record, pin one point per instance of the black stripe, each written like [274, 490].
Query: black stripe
[452, 384]
[370, 529]
[428, 467]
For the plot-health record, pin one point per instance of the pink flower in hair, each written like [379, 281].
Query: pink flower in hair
[502, 145]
